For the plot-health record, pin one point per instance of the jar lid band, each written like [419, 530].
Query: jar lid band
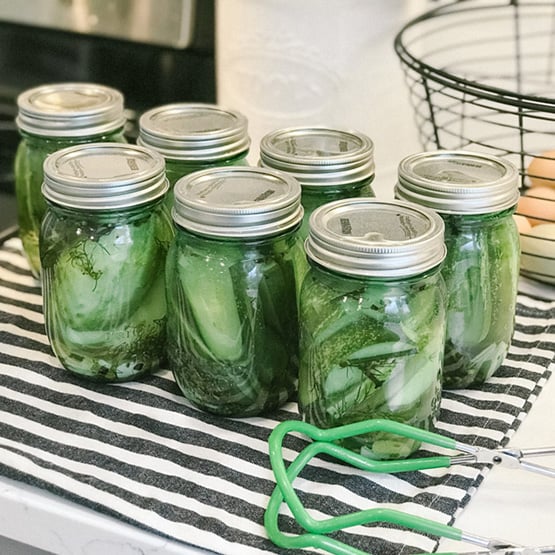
[104, 176]
[236, 201]
[70, 110]
[194, 132]
[458, 182]
[319, 156]
[373, 238]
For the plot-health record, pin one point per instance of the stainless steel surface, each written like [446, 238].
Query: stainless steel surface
[535, 452]
[538, 469]
[163, 22]
[510, 458]
[517, 551]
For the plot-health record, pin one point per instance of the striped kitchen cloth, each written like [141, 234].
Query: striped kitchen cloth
[140, 453]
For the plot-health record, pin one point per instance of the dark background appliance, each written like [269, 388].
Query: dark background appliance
[153, 51]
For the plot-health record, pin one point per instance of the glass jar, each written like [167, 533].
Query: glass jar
[194, 137]
[330, 164]
[476, 195]
[103, 244]
[372, 320]
[52, 117]
[231, 287]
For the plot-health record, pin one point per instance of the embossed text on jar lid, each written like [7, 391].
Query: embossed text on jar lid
[104, 176]
[458, 182]
[374, 238]
[194, 132]
[319, 156]
[237, 202]
[70, 110]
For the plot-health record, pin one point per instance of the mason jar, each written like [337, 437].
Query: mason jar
[103, 244]
[52, 117]
[330, 164]
[194, 137]
[231, 289]
[372, 320]
[476, 195]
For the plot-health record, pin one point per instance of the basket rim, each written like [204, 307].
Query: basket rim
[456, 82]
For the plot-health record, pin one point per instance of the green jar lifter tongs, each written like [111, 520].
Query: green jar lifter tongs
[323, 442]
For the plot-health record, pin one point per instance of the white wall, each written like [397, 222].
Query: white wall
[319, 62]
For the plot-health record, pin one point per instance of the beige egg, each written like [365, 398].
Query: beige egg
[541, 171]
[538, 253]
[538, 205]
[522, 223]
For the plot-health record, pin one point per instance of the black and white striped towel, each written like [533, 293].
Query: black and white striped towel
[139, 452]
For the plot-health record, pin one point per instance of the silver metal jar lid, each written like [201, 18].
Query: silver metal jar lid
[194, 132]
[458, 182]
[319, 156]
[237, 201]
[70, 110]
[104, 176]
[375, 238]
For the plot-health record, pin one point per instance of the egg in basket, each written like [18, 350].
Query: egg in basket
[535, 217]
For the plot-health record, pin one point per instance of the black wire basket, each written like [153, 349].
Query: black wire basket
[481, 76]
